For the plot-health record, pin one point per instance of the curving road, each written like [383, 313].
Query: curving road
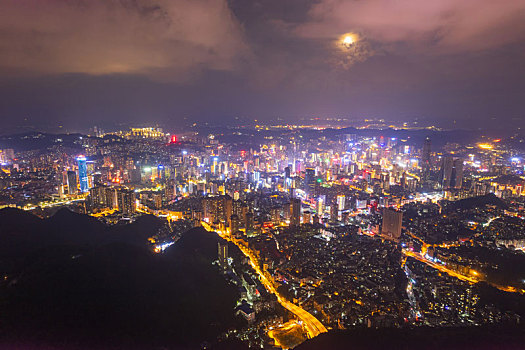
[312, 325]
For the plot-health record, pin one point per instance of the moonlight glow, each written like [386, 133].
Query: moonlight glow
[349, 39]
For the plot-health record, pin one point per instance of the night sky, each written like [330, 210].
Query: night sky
[84, 63]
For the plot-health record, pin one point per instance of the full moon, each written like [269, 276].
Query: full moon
[348, 40]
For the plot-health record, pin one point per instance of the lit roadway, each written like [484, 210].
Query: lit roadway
[310, 323]
[439, 267]
[474, 278]
[471, 279]
[49, 204]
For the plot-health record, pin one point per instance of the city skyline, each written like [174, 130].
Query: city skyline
[305, 230]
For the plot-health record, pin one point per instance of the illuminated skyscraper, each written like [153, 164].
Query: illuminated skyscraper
[341, 202]
[320, 205]
[82, 174]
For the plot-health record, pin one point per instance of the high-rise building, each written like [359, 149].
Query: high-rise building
[82, 174]
[446, 171]
[157, 201]
[341, 202]
[334, 212]
[72, 182]
[457, 173]
[309, 180]
[248, 223]
[425, 158]
[223, 255]
[235, 223]
[218, 209]
[227, 209]
[97, 179]
[111, 198]
[295, 212]
[126, 201]
[287, 177]
[320, 205]
[425, 154]
[451, 173]
[392, 221]
[98, 196]
[90, 170]
[287, 172]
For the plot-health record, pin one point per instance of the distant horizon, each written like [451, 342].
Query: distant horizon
[235, 122]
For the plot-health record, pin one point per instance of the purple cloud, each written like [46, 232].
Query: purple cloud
[443, 26]
[162, 37]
